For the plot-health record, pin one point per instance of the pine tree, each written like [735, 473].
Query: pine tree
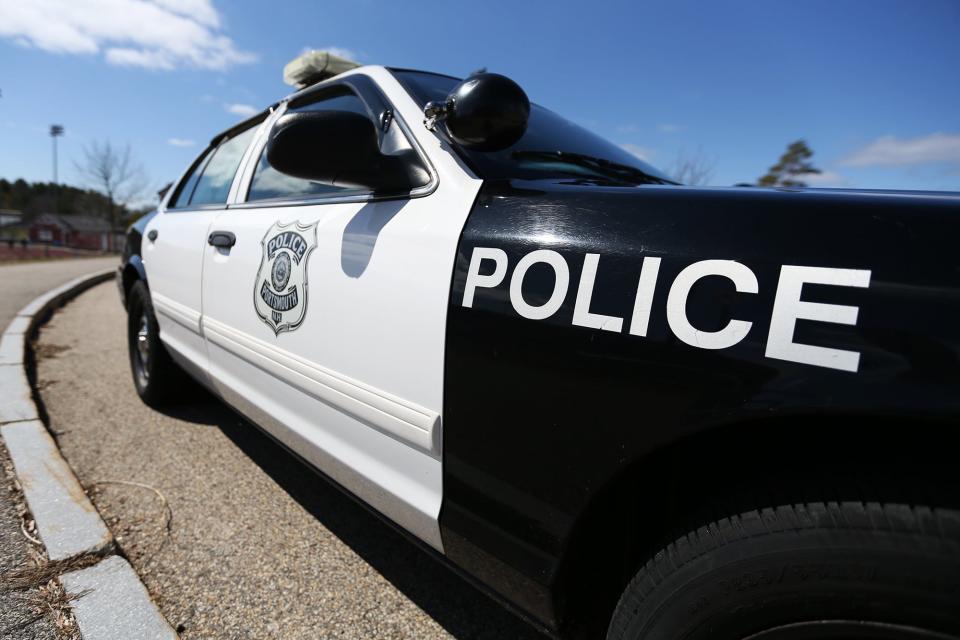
[793, 164]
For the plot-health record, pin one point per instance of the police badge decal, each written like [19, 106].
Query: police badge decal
[280, 289]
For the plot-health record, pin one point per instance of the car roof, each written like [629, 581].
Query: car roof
[248, 122]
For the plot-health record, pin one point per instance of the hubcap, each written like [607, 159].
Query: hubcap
[143, 351]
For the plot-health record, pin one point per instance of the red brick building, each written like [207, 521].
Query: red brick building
[81, 232]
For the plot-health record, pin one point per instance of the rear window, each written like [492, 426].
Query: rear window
[185, 190]
[214, 183]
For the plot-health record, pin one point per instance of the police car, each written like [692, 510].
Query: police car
[624, 407]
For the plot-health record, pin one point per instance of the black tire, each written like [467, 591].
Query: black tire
[814, 570]
[156, 377]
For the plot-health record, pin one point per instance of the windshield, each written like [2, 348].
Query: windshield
[551, 147]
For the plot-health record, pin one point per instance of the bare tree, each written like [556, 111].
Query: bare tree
[691, 169]
[114, 172]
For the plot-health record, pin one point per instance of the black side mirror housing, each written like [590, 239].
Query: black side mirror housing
[485, 112]
[341, 149]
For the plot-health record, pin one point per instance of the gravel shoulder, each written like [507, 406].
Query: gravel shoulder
[234, 537]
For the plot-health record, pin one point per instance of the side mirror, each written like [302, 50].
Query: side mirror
[485, 112]
[341, 149]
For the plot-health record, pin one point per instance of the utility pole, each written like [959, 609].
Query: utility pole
[56, 130]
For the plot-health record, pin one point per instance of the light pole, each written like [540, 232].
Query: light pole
[56, 130]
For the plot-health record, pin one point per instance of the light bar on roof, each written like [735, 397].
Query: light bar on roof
[313, 66]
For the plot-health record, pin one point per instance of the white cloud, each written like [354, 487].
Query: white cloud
[126, 57]
[824, 179]
[153, 34]
[669, 128]
[200, 10]
[244, 110]
[893, 151]
[180, 142]
[641, 152]
[628, 128]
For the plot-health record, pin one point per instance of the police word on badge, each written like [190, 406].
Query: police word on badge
[787, 307]
[280, 289]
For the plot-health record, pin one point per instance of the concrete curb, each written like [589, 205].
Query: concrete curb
[116, 604]
[67, 521]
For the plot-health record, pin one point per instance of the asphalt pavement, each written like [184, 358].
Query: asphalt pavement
[19, 284]
[234, 537]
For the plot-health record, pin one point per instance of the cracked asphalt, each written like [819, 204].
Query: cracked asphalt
[257, 545]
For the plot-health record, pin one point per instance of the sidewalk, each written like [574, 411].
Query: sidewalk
[19, 284]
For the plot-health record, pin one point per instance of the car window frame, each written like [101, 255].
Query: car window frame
[377, 105]
[204, 158]
[198, 165]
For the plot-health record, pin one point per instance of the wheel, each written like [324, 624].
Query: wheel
[825, 570]
[156, 377]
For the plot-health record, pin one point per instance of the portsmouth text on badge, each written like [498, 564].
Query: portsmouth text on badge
[280, 290]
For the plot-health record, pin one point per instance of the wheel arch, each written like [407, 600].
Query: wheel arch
[715, 472]
[132, 271]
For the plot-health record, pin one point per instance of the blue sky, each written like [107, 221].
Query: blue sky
[872, 86]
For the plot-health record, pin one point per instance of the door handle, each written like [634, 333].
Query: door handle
[222, 239]
[152, 235]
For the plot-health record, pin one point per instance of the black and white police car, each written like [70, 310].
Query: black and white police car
[622, 406]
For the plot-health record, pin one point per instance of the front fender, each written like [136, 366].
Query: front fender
[129, 273]
[131, 266]
[582, 336]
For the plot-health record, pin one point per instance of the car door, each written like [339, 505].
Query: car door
[325, 321]
[174, 245]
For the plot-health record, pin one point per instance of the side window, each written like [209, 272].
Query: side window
[268, 183]
[214, 183]
[182, 197]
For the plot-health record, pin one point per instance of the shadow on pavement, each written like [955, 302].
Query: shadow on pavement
[450, 600]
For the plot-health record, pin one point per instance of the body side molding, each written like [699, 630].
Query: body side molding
[179, 313]
[396, 417]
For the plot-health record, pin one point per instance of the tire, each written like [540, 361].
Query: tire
[156, 377]
[813, 570]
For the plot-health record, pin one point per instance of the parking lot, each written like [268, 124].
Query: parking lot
[233, 537]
